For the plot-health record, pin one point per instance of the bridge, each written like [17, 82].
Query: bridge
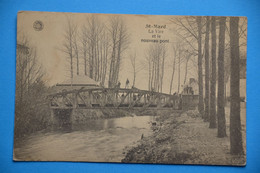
[120, 98]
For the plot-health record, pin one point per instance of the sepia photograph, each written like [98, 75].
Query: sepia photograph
[126, 88]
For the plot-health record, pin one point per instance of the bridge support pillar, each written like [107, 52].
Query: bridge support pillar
[62, 118]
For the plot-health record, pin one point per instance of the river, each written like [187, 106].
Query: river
[101, 140]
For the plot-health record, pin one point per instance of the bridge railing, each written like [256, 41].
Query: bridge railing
[113, 97]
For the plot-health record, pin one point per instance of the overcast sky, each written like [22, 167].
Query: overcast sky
[49, 40]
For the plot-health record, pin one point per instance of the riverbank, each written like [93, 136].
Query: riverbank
[101, 140]
[183, 138]
[65, 120]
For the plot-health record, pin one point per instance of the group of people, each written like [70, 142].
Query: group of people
[126, 84]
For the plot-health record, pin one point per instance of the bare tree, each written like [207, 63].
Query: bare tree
[135, 67]
[207, 72]
[212, 121]
[190, 31]
[235, 122]
[156, 54]
[84, 42]
[28, 71]
[179, 69]
[163, 55]
[92, 32]
[175, 49]
[30, 90]
[96, 45]
[104, 56]
[75, 47]
[149, 62]
[120, 39]
[242, 29]
[200, 75]
[187, 57]
[181, 55]
[68, 44]
[221, 80]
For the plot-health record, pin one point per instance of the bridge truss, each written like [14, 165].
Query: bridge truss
[113, 98]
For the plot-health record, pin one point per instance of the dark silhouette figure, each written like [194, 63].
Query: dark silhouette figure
[127, 83]
[118, 85]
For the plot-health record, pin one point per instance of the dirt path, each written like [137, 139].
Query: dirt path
[184, 139]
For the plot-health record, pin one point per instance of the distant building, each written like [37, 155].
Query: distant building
[78, 82]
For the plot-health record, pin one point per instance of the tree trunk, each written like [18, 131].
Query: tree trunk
[179, 72]
[206, 114]
[98, 60]
[134, 80]
[101, 62]
[71, 67]
[186, 71]
[212, 121]
[200, 75]
[152, 78]
[133, 63]
[118, 61]
[91, 62]
[104, 62]
[236, 146]
[69, 47]
[225, 94]
[110, 80]
[163, 56]
[77, 54]
[221, 80]
[158, 73]
[95, 59]
[85, 58]
[149, 80]
[173, 70]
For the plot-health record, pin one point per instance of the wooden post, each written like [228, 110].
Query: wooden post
[75, 101]
[159, 101]
[116, 95]
[130, 98]
[90, 98]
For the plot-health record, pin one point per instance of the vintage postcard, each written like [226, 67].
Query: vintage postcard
[130, 88]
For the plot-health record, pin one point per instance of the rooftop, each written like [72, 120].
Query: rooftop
[79, 81]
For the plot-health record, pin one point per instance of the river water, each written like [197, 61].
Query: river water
[100, 140]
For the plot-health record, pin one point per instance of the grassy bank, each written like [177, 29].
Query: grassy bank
[183, 138]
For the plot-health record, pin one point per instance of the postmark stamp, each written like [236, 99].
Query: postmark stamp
[38, 25]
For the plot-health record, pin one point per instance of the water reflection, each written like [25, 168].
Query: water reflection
[123, 122]
[97, 140]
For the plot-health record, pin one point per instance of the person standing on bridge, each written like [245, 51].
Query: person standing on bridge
[127, 83]
[118, 84]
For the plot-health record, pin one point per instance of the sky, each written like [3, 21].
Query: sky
[49, 40]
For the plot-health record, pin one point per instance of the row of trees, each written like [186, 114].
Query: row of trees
[204, 36]
[181, 55]
[100, 46]
[157, 64]
[97, 48]
[156, 60]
